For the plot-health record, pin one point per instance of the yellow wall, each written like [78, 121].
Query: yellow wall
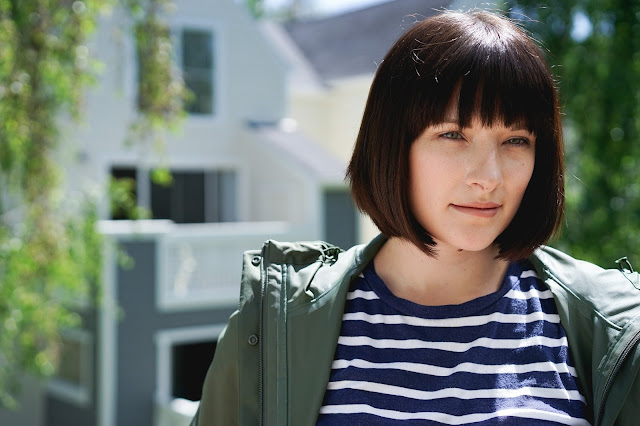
[332, 118]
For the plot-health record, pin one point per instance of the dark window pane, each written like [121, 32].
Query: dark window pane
[197, 46]
[196, 197]
[202, 90]
[161, 200]
[182, 201]
[197, 68]
[190, 363]
[124, 173]
[128, 178]
[191, 198]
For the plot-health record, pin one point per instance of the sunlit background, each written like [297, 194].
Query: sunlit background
[138, 162]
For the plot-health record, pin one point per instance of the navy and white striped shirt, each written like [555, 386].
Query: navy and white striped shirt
[498, 359]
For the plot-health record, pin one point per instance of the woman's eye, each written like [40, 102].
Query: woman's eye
[518, 141]
[451, 135]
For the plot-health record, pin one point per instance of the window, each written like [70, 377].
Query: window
[195, 54]
[190, 362]
[126, 179]
[73, 377]
[198, 69]
[183, 358]
[182, 201]
[194, 196]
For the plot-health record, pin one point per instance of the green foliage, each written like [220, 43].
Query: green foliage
[50, 251]
[123, 200]
[283, 12]
[162, 93]
[256, 7]
[595, 50]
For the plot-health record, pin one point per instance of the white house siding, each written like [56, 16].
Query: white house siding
[277, 192]
[249, 84]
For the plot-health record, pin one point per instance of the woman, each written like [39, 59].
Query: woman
[456, 314]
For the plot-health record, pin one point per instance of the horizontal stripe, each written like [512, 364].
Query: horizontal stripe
[436, 356]
[451, 346]
[463, 334]
[502, 358]
[525, 413]
[466, 367]
[361, 294]
[458, 393]
[533, 293]
[514, 306]
[452, 322]
[465, 380]
[529, 274]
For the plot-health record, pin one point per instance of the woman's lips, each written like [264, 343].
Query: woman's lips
[478, 209]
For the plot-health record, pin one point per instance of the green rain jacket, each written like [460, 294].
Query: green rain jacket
[273, 361]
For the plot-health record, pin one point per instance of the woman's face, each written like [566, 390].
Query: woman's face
[466, 184]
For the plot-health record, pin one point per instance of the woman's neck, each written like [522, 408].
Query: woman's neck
[451, 278]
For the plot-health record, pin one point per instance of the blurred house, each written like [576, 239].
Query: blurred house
[241, 175]
[261, 155]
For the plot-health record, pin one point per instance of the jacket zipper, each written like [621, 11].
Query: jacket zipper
[614, 372]
[263, 283]
[329, 256]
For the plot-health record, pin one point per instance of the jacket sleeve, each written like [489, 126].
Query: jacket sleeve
[219, 403]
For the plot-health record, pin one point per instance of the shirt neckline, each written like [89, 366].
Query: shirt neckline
[469, 308]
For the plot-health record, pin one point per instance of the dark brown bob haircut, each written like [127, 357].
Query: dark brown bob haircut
[499, 75]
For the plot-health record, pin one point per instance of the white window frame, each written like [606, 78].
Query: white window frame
[77, 394]
[165, 341]
[216, 28]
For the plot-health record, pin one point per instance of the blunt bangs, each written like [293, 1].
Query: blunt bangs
[486, 66]
[478, 65]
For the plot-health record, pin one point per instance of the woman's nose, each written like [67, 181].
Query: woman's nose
[484, 170]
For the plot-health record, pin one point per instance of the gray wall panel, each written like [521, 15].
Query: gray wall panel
[340, 218]
[63, 413]
[136, 353]
[31, 409]
[59, 411]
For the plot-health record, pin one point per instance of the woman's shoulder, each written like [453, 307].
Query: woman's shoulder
[609, 292]
[306, 252]
[569, 269]
[308, 269]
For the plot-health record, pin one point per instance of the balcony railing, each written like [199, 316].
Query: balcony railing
[199, 265]
[178, 412]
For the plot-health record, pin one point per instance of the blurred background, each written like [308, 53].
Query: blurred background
[146, 144]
